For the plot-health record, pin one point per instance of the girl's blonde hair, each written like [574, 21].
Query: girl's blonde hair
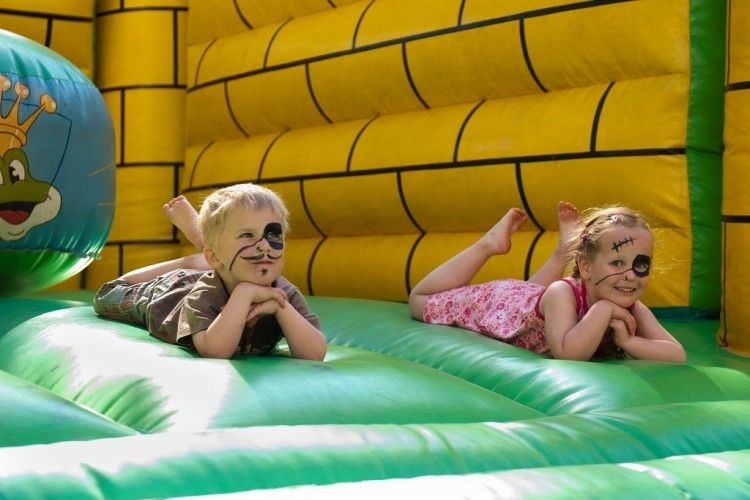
[593, 224]
[214, 209]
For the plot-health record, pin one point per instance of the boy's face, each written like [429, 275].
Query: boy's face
[250, 247]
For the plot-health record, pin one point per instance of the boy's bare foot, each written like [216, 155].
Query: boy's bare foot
[568, 217]
[183, 215]
[497, 239]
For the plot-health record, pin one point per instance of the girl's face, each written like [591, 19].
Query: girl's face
[620, 271]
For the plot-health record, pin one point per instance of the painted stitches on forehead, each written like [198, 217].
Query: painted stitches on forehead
[619, 244]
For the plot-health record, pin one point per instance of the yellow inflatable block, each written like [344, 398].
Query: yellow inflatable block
[645, 113]
[467, 66]
[416, 138]
[333, 31]
[123, 40]
[735, 315]
[358, 205]
[141, 192]
[737, 154]
[229, 56]
[269, 102]
[552, 123]
[148, 113]
[343, 86]
[738, 53]
[225, 162]
[369, 260]
[459, 200]
[611, 42]
[292, 194]
[52, 7]
[311, 151]
[209, 117]
[391, 19]
[298, 254]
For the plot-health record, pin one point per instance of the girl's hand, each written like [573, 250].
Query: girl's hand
[621, 314]
[621, 333]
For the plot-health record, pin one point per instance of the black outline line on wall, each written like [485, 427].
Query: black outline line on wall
[241, 15]
[200, 59]
[409, 258]
[737, 86]
[405, 204]
[124, 10]
[413, 86]
[197, 162]
[231, 112]
[598, 114]
[312, 95]
[270, 43]
[356, 140]
[267, 152]
[359, 23]
[175, 48]
[527, 57]
[48, 33]
[323, 237]
[460, 134]
[461, 13]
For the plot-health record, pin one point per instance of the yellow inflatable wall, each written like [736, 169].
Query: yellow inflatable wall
[735, 316]
[397, 132]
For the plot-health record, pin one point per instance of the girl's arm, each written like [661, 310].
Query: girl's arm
[651, 340]
[569, 338]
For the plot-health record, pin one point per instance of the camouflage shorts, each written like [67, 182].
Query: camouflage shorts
[132, 303]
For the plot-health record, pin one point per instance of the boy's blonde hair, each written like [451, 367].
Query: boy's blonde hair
[593, 224]
[214, 209]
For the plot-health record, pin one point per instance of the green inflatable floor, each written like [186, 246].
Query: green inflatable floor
[98, 409]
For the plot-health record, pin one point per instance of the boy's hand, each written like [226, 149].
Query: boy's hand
[259, 309]
[259, 293]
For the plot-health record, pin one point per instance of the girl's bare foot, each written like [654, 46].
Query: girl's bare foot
[497, 239]
[568, 217]
[183, 215]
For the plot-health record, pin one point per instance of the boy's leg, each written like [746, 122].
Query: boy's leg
[461, 269]
[181, 213]
[553, 269]
[196, 261]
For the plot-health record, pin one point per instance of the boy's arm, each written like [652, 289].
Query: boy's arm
[221, 338]
[651, 340]
[305, 341]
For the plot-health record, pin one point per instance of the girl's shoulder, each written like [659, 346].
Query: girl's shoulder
[565, 292]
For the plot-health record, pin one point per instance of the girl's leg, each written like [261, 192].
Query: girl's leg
[552, 270]
[181, 213]
[461, 269]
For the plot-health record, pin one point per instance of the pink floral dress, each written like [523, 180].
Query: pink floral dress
[507, 310]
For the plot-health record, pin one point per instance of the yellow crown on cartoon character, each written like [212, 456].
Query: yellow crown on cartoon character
[13, 133]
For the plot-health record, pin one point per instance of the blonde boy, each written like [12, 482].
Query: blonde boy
[230, 298]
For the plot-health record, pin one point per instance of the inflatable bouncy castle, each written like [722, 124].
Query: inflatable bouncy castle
[397, 132]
